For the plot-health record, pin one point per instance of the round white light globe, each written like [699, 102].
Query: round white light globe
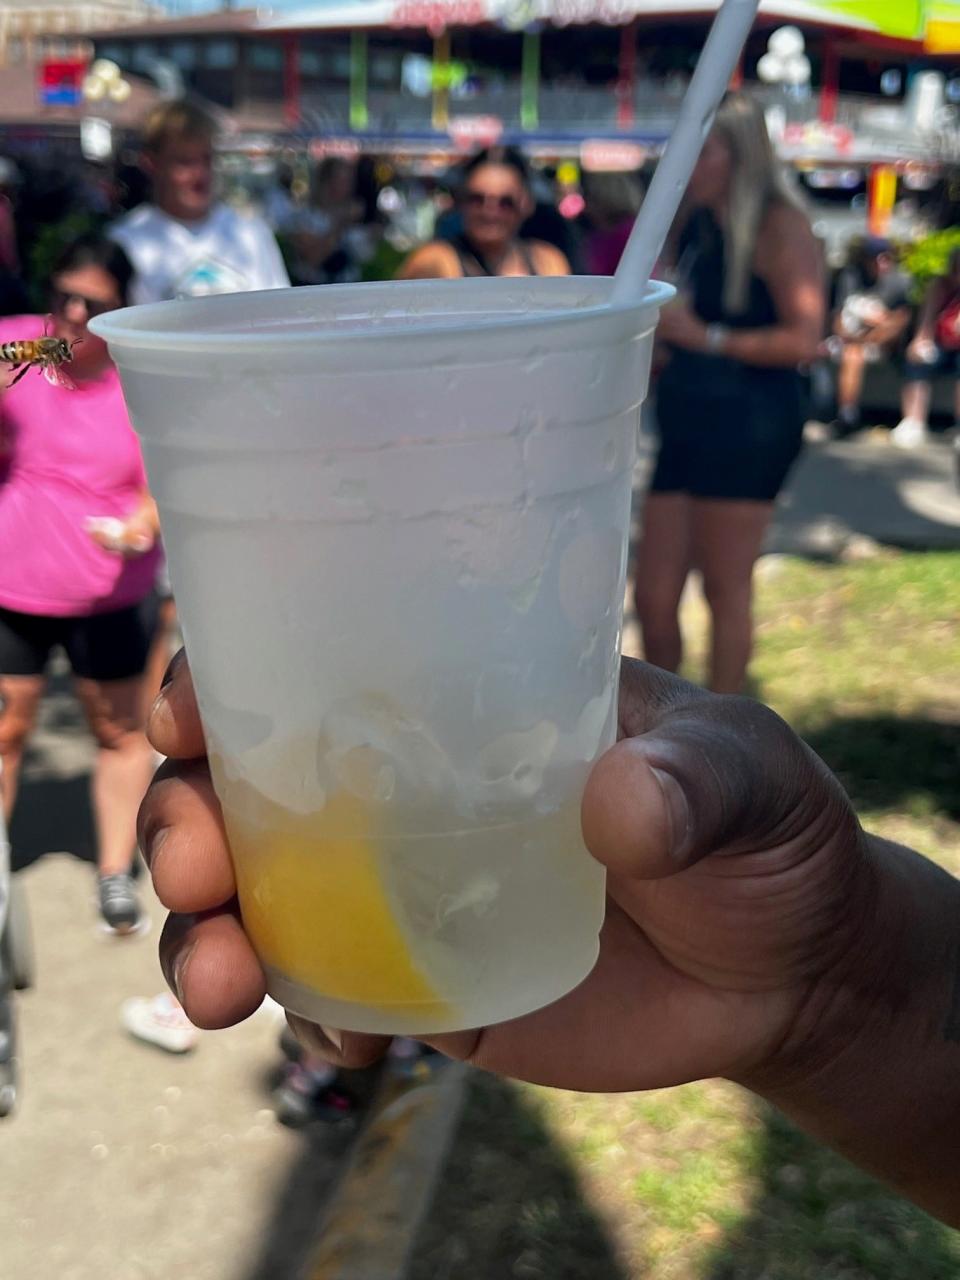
[787, 41]
[771, 68]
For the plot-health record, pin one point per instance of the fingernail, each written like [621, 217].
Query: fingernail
[158, 707]
[314, 1038]
[678, 809]
[180, 969]
[335, 1037]
[171, 670]
[154, 846]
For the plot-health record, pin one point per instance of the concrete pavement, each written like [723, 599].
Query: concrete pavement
[123, 1162]
[865, 488]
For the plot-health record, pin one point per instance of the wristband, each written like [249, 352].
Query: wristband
[716, 338]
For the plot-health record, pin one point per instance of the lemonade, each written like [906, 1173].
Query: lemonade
[359, 926]
[397, 517]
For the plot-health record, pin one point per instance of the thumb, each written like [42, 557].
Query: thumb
[722, 774]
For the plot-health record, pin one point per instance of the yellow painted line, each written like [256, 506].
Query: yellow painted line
[372, 1221]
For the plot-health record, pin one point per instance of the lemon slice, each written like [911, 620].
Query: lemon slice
[314, 903]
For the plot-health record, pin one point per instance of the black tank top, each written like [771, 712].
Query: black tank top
[470, 258]
[701, 260]
[732, 396]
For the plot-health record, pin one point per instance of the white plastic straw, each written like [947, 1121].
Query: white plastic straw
[710, 79]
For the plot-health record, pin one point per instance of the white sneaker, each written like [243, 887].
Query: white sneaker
[159, 1020]
[911, 433]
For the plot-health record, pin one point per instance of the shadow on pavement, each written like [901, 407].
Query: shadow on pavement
[899, 499]
[52, 814]
[291, 1237]
[816, 1216]
[511, 1202]
[886, 762]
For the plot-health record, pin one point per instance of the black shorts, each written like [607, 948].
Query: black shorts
[946, 364]
[706, 466]
[727, 431]
[101, 646]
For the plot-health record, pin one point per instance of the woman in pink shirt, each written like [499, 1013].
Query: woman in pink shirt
[69, 459]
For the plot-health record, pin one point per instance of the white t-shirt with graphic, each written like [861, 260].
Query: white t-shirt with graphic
[226, 252]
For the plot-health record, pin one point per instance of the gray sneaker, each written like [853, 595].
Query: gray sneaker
[119, 904]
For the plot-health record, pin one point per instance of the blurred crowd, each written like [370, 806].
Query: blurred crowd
[337, 220]
[758, 325]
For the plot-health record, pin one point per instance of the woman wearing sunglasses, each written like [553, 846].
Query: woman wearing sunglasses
[495, 201]
[78, 557]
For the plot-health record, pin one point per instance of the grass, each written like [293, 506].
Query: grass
[864, 660]
[704, 1182]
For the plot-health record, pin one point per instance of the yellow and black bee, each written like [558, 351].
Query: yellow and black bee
[45, 354]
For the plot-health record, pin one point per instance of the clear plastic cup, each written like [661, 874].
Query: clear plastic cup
[396, 518]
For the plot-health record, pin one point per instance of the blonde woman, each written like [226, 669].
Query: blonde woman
[730, 400]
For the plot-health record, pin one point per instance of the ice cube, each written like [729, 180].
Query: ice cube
[512, 766]
[370, 745]
[589, 575]
[477, 897]
[593, 724]
[363, 771]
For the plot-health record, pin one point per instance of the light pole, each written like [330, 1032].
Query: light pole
[104, 84]
[786, 62]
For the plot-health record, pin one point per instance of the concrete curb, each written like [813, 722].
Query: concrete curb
[371, 1223]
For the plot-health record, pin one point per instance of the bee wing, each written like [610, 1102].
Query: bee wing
[57, 378]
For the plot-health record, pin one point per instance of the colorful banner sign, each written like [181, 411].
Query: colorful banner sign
[930, 24]
[60, 82]
[882, 195]
[934, 24]
[942, 30]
